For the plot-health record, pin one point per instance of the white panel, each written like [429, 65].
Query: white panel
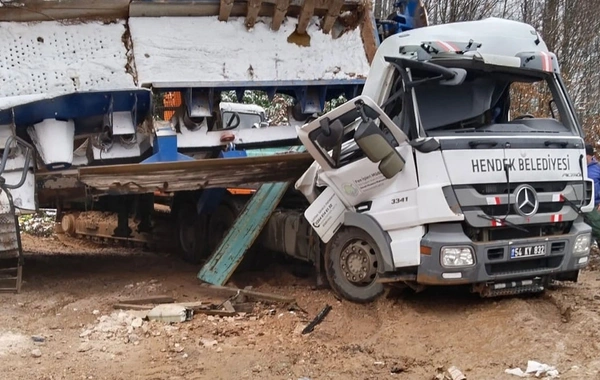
[122, 123]
[203, 138]
[54, 57]
[326, 214]
[54, 140]
[406, 246]
[201, 49]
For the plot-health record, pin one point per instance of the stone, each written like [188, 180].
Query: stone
[36, 353]
[137, 322]
[84, 347]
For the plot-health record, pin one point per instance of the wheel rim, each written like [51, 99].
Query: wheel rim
[358, 263]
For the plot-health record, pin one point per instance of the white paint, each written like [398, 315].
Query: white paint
[54, 140]
[326, 214]
[405, 245]
[54, 58]
[203, 49]
[583, 260]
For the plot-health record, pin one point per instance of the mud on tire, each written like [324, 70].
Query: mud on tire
[351, 260]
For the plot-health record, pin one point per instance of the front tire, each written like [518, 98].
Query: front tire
[351, 261]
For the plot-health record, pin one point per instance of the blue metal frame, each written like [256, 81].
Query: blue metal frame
[79, 105]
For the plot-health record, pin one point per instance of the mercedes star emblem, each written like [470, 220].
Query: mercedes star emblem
[526, 201]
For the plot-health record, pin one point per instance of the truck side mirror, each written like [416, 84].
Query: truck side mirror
[331, 134]
[377, 148]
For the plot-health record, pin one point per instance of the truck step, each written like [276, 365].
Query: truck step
[510, 288]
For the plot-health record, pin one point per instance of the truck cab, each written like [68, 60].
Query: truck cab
[461, 163]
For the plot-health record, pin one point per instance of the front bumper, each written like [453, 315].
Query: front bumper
[492, 259]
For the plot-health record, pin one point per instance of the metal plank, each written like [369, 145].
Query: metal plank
[225, 9]
[332, 14]
[193, 175]
[253, 10]
[230, 252]
[281, 8]
[308, 10]
[50, 10]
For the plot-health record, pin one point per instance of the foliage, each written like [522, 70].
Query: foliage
[39, 224]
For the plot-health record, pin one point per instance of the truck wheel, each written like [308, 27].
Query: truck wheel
[351, 260]
[191, 232]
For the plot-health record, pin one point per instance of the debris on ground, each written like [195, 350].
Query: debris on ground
[236, 304]
[456, 374]
[170, 313]
[318, 319]
[534, 368]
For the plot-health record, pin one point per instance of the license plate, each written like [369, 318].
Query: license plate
[527, 251]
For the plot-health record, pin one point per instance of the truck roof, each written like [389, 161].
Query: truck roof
[497, 36]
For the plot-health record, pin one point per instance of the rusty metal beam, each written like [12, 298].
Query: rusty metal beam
[225, 9]
[332, 14]
[308, 10]
[253, 10]
[281, 9]
[196, 174]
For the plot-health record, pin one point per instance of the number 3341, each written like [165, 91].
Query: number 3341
[399, 200]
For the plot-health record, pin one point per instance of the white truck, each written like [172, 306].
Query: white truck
[428, 178]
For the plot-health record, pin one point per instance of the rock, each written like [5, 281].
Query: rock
[137, 322]
[58, 355]
[208, 342]
[133, 338]
[168, 313]
[184, 356]
[219, 349]
[38, 338]
[36, 353]
[84, 347]
[85, 333]
[96, 312]
[379, 364]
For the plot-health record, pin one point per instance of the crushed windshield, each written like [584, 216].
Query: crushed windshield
[498, 101]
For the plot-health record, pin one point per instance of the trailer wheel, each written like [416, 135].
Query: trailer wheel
[351, 260]
[191, 232]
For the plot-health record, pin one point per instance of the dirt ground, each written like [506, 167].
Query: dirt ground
[63, 326]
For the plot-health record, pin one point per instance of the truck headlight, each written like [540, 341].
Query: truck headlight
[582, 245]
[452, 257]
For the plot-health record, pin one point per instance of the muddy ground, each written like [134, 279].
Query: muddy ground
[63, 326]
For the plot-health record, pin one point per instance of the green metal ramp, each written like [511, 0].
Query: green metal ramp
[248, 225]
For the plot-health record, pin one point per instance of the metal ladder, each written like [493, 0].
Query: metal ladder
[11, 250]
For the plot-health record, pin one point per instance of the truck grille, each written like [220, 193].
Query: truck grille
[483, 204]
[523, 266]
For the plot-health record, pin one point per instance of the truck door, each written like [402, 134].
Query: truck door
[367, 163]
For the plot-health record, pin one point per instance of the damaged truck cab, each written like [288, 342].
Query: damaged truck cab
[462, 162]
